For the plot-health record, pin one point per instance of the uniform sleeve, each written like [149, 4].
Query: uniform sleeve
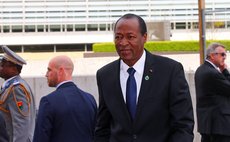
[19, 108]
[44, 122]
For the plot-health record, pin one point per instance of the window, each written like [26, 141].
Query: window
[55, 28]
[29, 28]
[102, 27]
[69, 28]
[40, 28]
[80, 27]
[228, 24]
[92, 27]
[172, 26]
[195, 25]
[6, 29]
[38, 48]
[16, 28]
[181, 25]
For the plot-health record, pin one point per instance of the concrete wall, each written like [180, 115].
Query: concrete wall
[190, 79]
[88, 84]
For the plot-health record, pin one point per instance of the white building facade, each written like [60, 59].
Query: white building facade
[59, 25]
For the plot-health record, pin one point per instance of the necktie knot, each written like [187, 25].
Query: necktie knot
[131, 71]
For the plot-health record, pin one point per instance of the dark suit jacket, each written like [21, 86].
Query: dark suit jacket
[66, 115]
[164, 108]
[4, 137]
[213, 100]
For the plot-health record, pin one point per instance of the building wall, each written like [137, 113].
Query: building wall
[27, 23]
[99, 15]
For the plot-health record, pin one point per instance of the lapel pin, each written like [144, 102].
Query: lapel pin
[151, 70]
[146, 77]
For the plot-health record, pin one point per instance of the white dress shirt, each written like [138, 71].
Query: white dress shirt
[139, 67]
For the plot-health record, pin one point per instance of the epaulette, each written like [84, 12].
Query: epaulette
[16, 83]
[10, 83]
[6, 90]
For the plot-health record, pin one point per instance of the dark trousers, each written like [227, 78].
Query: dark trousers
[214, 138]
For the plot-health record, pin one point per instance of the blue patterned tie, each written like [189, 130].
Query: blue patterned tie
[131, 92]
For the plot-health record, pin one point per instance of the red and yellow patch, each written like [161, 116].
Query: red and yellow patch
[20, 104]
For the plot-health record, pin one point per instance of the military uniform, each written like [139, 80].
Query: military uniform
[18, 107]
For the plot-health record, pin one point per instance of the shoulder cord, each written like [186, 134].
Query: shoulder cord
[28, 98]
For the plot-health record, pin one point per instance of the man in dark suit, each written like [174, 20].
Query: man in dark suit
[162, 109]
[68, 114]
[212, 82]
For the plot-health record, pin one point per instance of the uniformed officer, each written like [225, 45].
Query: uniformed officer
[16, 98]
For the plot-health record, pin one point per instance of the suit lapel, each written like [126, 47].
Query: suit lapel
[147, 83]
[121, 105]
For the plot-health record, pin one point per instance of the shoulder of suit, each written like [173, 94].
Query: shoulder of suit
[206, 66]
[164, 60]
[110, 66]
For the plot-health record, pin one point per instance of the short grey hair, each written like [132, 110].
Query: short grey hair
[212, 47]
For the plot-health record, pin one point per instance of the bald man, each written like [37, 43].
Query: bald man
[68, 114]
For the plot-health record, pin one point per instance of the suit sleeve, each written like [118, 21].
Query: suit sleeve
[223, 81]
[19, 107]
[181, 110]
[102, 131]
[44, 122]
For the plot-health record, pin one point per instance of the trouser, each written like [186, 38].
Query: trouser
[214, 138]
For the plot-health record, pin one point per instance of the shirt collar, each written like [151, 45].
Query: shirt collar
[138, 66]
[63, 83]
[213, 65]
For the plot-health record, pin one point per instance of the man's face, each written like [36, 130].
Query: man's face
[219, 56]
[129, 41]
[6, 69]
[52, 75]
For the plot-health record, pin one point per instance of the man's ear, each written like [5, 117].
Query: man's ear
[145, 36]
[61, 70]
[211, 56]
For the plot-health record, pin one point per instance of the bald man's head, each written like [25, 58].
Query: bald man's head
[63, 61]
[60, 69]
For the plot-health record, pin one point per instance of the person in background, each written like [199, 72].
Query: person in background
[16, 98]
[4, 137]
[68, 114]
[212, 83]
[142, 97]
